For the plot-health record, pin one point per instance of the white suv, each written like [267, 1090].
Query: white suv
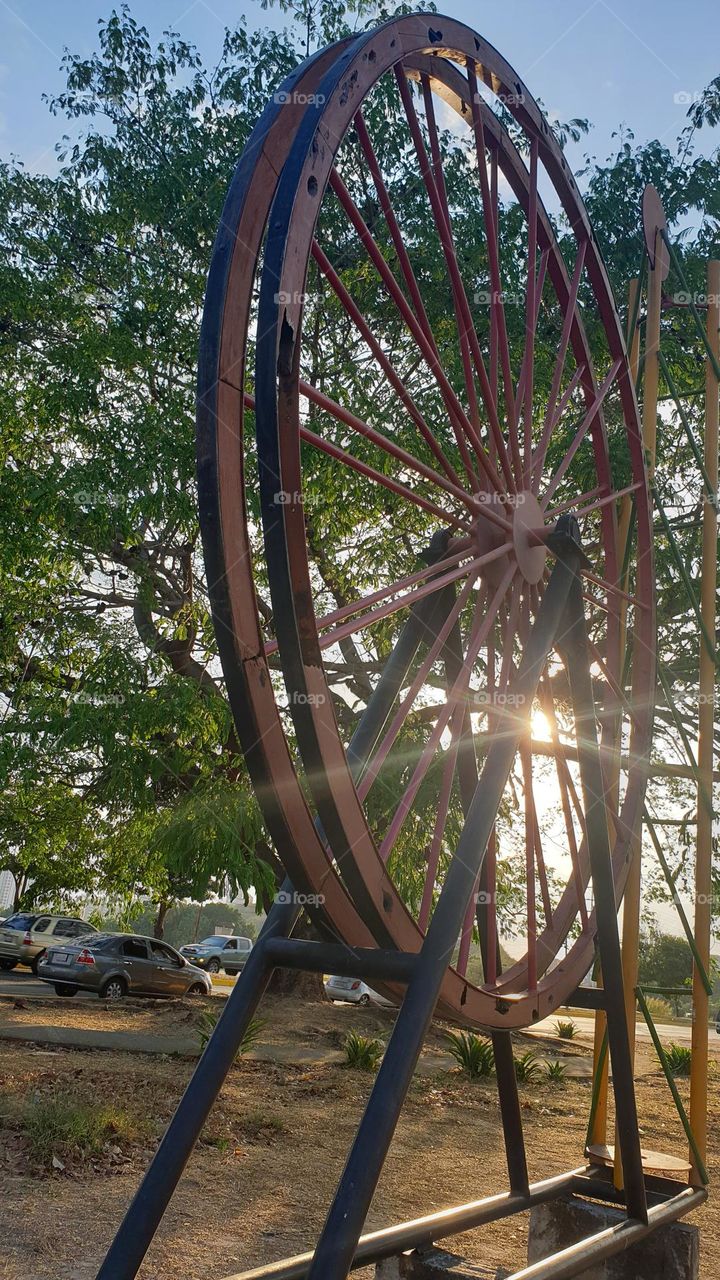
[45, 931]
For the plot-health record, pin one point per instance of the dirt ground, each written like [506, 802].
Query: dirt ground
[259, 1183]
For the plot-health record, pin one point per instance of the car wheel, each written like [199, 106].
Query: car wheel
[6, 965]
[364, 999]
[64, 989]
[197, 989]
[114, 989]
[213, 966]
[35, 961]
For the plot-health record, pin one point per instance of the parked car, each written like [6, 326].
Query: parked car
[48, 930]
[114, 965]
[11, 932]
[220, 951]
[352, 990]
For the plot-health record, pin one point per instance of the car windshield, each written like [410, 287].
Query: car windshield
[19, 922]
[215, 941]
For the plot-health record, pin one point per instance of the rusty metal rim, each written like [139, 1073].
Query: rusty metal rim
[248, 679]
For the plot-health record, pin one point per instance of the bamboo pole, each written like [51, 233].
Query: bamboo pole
[703, 860]
[632, 895]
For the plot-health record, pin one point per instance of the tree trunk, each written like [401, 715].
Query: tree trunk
[159, 925]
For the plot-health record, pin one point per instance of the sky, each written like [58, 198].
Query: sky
[637, 63]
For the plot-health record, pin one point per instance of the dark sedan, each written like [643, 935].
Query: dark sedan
[114, 965]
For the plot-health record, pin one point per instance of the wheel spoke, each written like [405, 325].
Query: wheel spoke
[458, 418]
[464, 317]
[587, 422]
[453, 704]
[530, 296]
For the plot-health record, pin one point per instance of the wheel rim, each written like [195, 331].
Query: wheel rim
[281, 426]
[114, 991]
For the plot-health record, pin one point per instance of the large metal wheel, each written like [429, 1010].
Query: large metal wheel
[478, 408]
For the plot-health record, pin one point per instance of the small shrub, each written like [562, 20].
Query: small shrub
[262, 1124]
[60, 1126]
[472, 1053]
[679, 1057]
[566, 1028]
[363, 1052]
[527, 1067]
[659, 1010]
[209, 1020]
[555, 1071]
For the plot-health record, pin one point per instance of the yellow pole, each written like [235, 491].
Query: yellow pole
[703, 859]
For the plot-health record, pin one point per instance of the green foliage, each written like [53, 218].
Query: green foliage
[471, 1052]
[363, 1052]
[527, 1067]
[64, 1127]
[679, 1059]
[185, 922]
[209, 1020]
[566, 1028]
[556, 1071]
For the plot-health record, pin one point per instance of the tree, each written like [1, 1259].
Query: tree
[115, 703]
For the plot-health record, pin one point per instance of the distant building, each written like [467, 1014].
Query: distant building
[7, 890]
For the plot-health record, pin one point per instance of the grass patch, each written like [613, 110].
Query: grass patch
[555, 1072]
[262, 1124]
[527, 1067]
[67, 1128]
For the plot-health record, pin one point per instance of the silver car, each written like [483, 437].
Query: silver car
[114, 965]
[220, 951]
[352, 990]
[48, 931]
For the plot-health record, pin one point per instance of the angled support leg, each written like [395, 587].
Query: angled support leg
[574, 644]
[163, 1174]
[334, 1254]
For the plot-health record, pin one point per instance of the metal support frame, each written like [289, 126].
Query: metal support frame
[560, 623]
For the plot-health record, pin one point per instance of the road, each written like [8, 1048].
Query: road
[20, 983]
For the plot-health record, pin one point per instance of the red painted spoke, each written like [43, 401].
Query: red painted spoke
[439, 828]
[551, 415]
[384, 611]
[587, 422]
[461, 302]
[349, 460]
[454, 702]
[520, 400]
[529, 357]
[466, 934]
[364, 602]
[610, 586]
[564, 783]
[442, 202]
[394, 229]
[603, 502]
[610, 678]
[490, 871]
[531, 909]
[489, 199]
[385, 364]
[396, 724]
[491, 215]
[541, 451]
[459, 419]
[571, 503]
